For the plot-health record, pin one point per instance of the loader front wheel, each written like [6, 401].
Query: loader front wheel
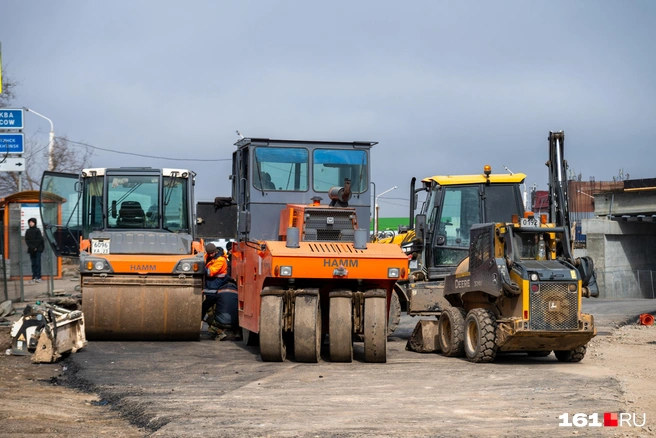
[575, 355]
[307, 328]
[375, 327]
[451, 331]
[480, 336]
[272, 345]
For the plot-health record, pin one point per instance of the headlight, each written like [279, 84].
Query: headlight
[534, 277]
[95, 265]
[285, 271]
[393, 273]
[572, 287]
[188, 266]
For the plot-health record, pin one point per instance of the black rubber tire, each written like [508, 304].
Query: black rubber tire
[272, 344]
[575, 355]
[394, 314]
[375, 330]
[451, 331]
[541, 353]
[340, 329]
[307, 329]
[249, 338]
[480, 336]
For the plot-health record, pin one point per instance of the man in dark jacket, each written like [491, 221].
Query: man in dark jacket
[35, 246]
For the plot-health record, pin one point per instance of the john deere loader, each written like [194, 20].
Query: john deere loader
[497, 278]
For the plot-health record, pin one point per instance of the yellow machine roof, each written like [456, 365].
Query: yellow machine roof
[447, 180]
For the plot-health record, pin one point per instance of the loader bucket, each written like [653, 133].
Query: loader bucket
[424, 337]
[143, 308]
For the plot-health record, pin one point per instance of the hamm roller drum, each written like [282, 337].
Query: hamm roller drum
[142, 308]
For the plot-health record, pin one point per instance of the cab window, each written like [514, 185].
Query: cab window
[330, 167]
[283, 169]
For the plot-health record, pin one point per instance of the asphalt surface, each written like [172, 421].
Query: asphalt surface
[212, 388]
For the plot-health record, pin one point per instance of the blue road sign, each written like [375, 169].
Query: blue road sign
[11, 118]
[11, 143]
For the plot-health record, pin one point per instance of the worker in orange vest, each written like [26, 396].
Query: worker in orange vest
[216, 275]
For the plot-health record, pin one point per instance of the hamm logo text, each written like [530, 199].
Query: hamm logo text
[143, 268]
[336, 263]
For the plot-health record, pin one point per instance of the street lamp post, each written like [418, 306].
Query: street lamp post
[525, 195]
[51, 165]
[583, 193]
[373, 198]
[51, 139]
[376, 209]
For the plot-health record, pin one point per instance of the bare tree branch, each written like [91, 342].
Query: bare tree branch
[8, 90]
[65, 156]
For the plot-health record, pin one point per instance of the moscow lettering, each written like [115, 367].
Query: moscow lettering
[6, 119]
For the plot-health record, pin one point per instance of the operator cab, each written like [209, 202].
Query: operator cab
[117, 206]
[268, 175]
[454, 204]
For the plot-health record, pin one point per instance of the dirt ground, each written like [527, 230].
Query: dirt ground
[629, 356]
[222, 389]
[33, 402]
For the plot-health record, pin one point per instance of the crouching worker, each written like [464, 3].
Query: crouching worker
[220, 304]
[224, 324]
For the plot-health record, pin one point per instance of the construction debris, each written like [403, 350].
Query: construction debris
[6, 308]
[49, 332]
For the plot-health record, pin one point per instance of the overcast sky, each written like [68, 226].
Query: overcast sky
[444, 87]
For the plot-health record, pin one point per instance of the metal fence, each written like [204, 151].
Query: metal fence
[646, 283]
[16, 266]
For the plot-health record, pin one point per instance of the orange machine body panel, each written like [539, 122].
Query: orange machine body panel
[142, 264]
[330, 264]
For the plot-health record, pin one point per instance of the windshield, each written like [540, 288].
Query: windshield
[331, 167]
[176, 204]
[502, 202]
[281, 169]
[130, 198]
[460, 210]
[93, 204]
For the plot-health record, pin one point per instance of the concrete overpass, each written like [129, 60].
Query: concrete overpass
[621, 239]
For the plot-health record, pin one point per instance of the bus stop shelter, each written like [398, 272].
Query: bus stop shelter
[15, 211]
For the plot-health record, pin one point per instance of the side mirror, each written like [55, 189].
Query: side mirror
[420, 226]
[114, 211]
[440, 239]
[244, 222]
